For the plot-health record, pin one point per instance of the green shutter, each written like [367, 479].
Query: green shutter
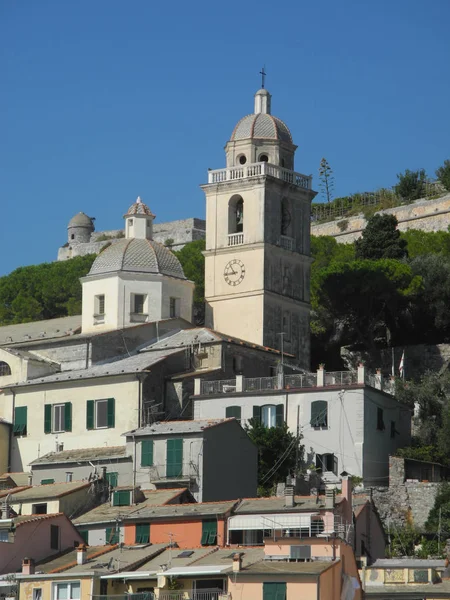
[121, 498]
[47, 481]
[279, 415]
[319, 413]
[112, 535]
[147, 453]
[174, 466]
[257, 414]
[84, 533]
[111, 413]
[112, 479]
[68, 416]
[20, 420]
[274, 591]
[47, 418]
[142, 533]
[233, 411]
[209, 532]
[90, 414]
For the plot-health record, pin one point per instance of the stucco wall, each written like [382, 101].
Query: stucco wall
[48, 587]
[245, 587]
[123, 467]
[427, 215]
[5, 433]
[67, 504]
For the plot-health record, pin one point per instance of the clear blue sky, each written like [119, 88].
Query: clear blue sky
[105, 100]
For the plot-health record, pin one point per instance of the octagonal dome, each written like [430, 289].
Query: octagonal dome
[139, 208]
[262, 126]
[135, 255]
[81, 220]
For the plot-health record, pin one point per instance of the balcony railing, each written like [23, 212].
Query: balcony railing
[300, 380]
[257, 169]
[256, 384]
[223, 386]
[159, 473]
[341, 377]
[235, 239]
[137, 596]
[212, 594]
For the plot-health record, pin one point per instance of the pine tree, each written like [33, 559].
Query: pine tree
[326, 179]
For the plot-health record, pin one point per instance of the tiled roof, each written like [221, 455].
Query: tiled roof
[277, 504]
[137, 255]
[177, 427]
[269, 567]
[172, 556]
[196, 510]
[139, 208]
[106, 513]
[24, 519]
[248, 554]
[50, 491]
[40, 330]
[20, 479]
[124, 366]
[82, 454]
[68, 559]
[411, 563]
[261, 126]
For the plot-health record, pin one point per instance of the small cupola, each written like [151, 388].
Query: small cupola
[139, 221]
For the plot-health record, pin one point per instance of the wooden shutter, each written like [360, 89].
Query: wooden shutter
[279, 415]
[147, 453]
[121, 498]
[319, 413]
[209, 532]
[111, 413]
[90, 414]
[112, 535]
[84, 533]
[47, 418]
[233, 411]
[20, 420]
[112, 479]
[274, 591]
[174, 458]
[68, 416]
[47, 481]
[142, 533]
[257, 414]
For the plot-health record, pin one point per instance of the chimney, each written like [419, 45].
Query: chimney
[329, 498]
[69, 476]
[346, 490]
[289, 493]
[81, 554]
[30, 479]
[28, 566]
[237, 562]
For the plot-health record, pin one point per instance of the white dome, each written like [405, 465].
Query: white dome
[261, 126]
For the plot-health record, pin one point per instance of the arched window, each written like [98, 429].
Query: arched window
[319, 413]
[5, 369]
[263, 158]
[236, 215]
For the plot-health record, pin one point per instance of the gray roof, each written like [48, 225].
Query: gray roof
[39, 330]
[81, 220]
[49, 491]
[408, 563]
[248, 554]
[137, 256]
[172, 556]
[269, 567]
[82, 455]
[184, 510]
[261, 126]
[177, 427]
[124, 366]
[106, 513]
[184, 337]
[277, 504]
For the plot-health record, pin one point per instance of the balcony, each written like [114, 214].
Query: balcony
[212, 594]
[235, 239]
[258, 169]
[187, 474]
[138, 596]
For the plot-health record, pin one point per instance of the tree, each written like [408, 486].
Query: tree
[411, 184]
[420, 243]
[443, 174]
[326, 180]
[193, 263]
[381, 239]
[325, 250]
[439, 515]
[278, 452]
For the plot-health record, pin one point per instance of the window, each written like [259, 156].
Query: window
[138, 304]
[39, 509]
[174, 458]
[100, 305]
[84, 533]
[112, 479]
[67, 591]
[47, 481]
[54, 537]
[209, 532]
[238, 362]
[263, 158]
[37, 593]
[236, 215]
[380, 421]
[270, 415]
[147, 453]
[5, 369]
[242, 159]
[274, 591]
[20, 420]
[142, 533]
[112, 535]
[174, 307]
[100, 414]
[327, 462]
[58, 417]
[121, 498]
[233, 411]
[4, 535]
[319, 413]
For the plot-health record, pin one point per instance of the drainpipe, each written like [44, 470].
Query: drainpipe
[139, 378]
[88, 347]
[133, 499]
[11, 437]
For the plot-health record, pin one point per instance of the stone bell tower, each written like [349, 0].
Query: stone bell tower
[257, 271]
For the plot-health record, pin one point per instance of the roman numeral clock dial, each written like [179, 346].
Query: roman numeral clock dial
[234, 272]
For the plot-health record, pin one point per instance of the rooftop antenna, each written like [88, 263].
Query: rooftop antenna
[263, 76]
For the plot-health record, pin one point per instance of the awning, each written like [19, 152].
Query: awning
[272, 521]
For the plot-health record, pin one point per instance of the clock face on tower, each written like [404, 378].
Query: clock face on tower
[234, 272]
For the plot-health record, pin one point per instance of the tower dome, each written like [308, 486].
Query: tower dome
[136, 255]
[80, 228]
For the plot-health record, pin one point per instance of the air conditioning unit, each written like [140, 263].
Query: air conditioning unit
[300, 553]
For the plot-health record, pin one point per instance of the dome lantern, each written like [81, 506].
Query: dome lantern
[139, 221]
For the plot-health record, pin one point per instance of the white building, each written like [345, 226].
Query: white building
[346, 424]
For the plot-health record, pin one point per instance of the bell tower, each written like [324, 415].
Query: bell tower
[257, 257]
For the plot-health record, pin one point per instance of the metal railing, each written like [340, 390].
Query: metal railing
[256, 384]
[222, 386]
[137, 596]
[213, 594]
[300, 380]
[262, 168]
[341, 377]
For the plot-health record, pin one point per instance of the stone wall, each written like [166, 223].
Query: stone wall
[404, 502]
[427, 215]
